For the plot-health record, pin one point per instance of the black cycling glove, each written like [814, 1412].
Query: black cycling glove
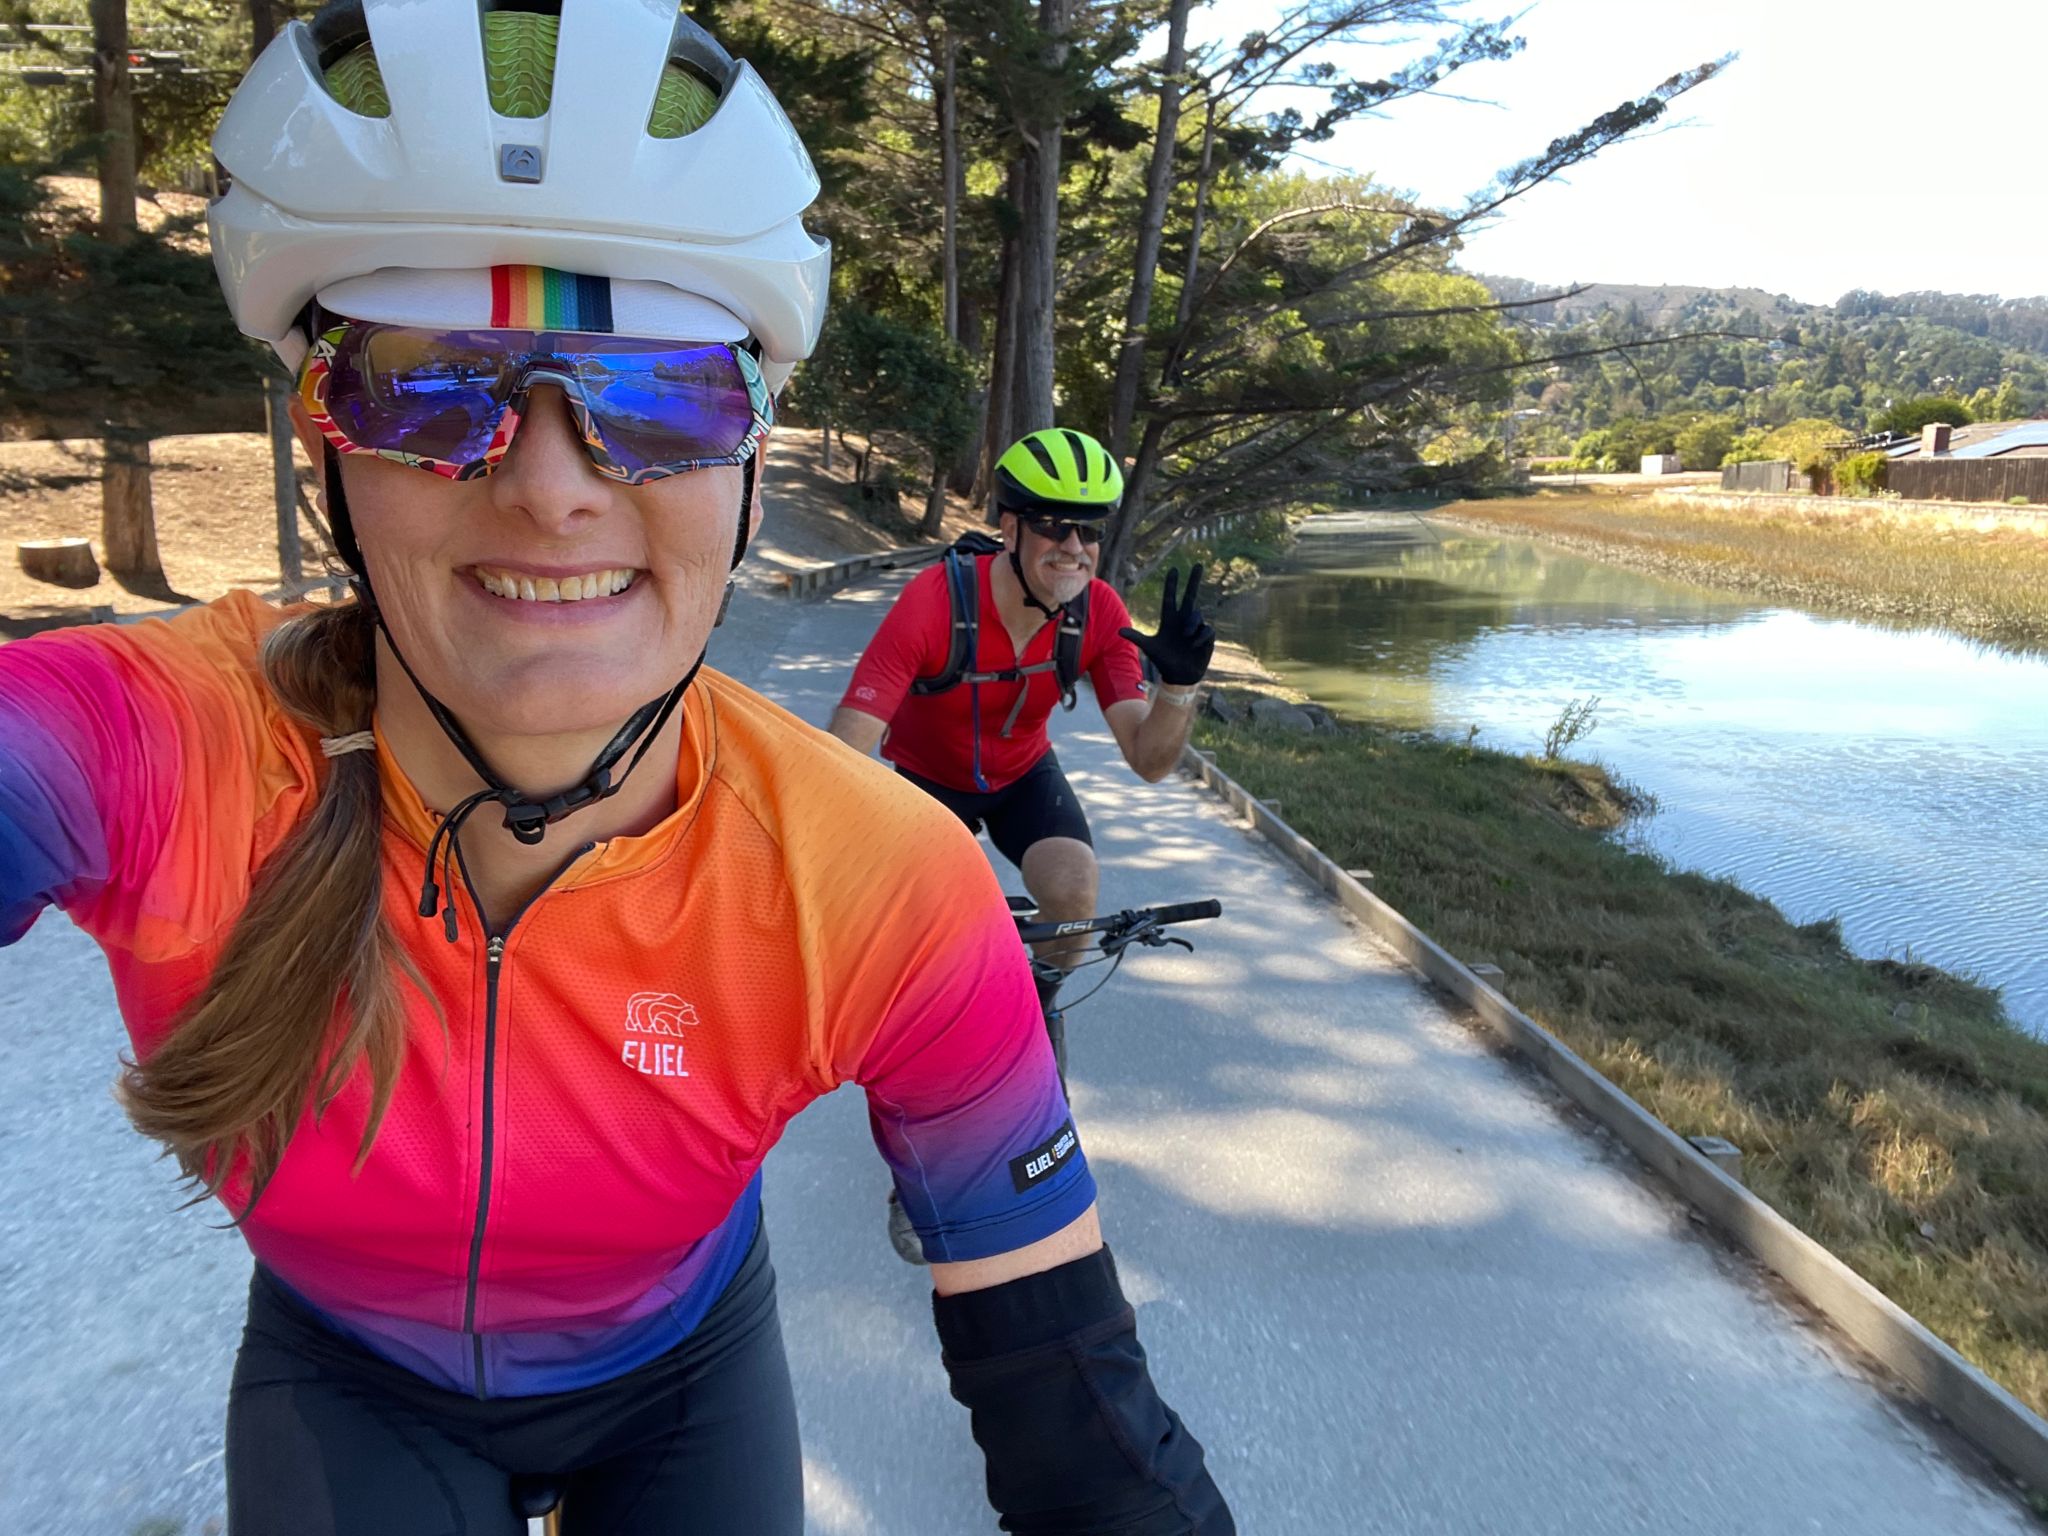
[1185, 641]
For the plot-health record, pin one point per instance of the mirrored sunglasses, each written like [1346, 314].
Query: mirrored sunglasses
[450, 401]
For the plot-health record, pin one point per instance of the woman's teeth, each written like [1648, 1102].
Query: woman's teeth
[550, 589]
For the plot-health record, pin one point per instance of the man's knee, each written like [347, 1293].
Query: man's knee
[1061, 872]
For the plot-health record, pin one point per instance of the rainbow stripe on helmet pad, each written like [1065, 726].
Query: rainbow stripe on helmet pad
[543, 299]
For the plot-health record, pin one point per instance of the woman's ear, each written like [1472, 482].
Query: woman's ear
[308, 434]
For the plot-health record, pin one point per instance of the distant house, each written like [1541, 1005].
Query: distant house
[1979, 440]
[1989, 461]
[1661, 464]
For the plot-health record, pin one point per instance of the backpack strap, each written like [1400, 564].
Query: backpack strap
[1066, 647]
[963, 593]
[965, 601]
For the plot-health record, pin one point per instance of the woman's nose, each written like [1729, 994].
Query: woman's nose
[547, 472]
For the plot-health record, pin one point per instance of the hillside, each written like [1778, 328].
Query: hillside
[1664, 306]
[1765, 359]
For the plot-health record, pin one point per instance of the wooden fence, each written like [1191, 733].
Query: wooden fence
[1769, 476]
[1999, 479]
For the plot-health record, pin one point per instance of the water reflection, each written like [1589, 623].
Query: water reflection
[1898, 778]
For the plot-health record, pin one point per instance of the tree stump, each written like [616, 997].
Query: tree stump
[62, 562]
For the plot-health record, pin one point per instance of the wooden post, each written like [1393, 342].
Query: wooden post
[284, 481]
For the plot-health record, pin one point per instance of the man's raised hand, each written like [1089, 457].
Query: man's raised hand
[1185, 640]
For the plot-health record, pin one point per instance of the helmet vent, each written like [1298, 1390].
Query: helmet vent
[355, 81]
[519, 61]
[1034, 446]
[1081, 465]
[682, 104]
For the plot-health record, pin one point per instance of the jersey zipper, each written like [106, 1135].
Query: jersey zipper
[494, 960]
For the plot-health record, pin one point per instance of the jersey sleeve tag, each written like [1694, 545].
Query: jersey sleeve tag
[1045, 1159]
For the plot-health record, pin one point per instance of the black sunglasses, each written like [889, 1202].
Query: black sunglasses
[1054, 530]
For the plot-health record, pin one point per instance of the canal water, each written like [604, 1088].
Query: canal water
[1894, 778]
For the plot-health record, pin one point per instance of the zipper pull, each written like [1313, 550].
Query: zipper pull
[494, 951]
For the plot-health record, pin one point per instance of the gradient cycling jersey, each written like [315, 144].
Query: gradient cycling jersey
[569, 1171]
[932, 734]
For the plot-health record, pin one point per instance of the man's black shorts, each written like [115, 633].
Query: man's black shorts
[1039, 805]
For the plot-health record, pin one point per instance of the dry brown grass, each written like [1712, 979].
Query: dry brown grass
[1985, 576]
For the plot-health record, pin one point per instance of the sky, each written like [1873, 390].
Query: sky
[1880, 144]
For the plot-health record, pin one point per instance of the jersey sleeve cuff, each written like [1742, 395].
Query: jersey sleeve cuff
[1056, 1208]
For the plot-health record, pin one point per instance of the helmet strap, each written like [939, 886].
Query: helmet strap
[1031, 597]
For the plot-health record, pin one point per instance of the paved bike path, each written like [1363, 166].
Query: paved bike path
[1390, 1286]
[1385, 1280]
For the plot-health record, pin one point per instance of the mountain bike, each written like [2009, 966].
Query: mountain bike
[1111, 935]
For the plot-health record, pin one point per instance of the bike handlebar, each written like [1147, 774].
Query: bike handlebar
[1185, 912]
[1117, 924]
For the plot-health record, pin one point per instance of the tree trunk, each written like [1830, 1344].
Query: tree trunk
[967, 462]
[1187, 287]
[113, 97]
[999, 422]
[934, 503]
[1038, 238]
[825, 436]
[262, 25]
[127, 520]
[1130, 363]
[950, 173]
[1119, 551]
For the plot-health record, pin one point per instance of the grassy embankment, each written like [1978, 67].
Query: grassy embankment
[1888, 1108]
[1960, 571]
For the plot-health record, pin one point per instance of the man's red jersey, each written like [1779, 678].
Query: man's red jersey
[932, 734]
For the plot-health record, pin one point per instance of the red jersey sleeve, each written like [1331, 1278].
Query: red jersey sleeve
[912, 642]
[1116, 671]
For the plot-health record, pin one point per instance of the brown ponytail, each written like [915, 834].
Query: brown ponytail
[225, 1091]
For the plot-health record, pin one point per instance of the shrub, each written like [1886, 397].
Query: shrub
[1748, 448]
[1861, 474]
[1705, 443]
[1803, 442]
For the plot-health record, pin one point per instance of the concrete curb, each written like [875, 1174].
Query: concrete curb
[1991, 1418]
[822, 578]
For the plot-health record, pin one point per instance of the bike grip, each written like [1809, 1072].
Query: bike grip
[1187, 911]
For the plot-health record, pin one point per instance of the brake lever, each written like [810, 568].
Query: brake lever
[1158, 938]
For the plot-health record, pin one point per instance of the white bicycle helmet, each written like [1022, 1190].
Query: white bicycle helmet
[386, 139]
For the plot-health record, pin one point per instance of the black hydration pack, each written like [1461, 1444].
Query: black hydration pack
[965, 592]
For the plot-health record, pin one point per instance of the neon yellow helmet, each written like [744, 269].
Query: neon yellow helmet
[1059, 470]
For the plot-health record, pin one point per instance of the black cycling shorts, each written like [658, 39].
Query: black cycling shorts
[326, 1439]
[1038, 805]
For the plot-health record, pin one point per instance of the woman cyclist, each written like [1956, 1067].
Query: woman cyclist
[475, 945]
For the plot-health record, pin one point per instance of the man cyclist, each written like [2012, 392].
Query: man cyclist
[475, 941]
[970, 730]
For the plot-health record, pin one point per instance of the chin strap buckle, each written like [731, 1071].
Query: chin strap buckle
[529, 820]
